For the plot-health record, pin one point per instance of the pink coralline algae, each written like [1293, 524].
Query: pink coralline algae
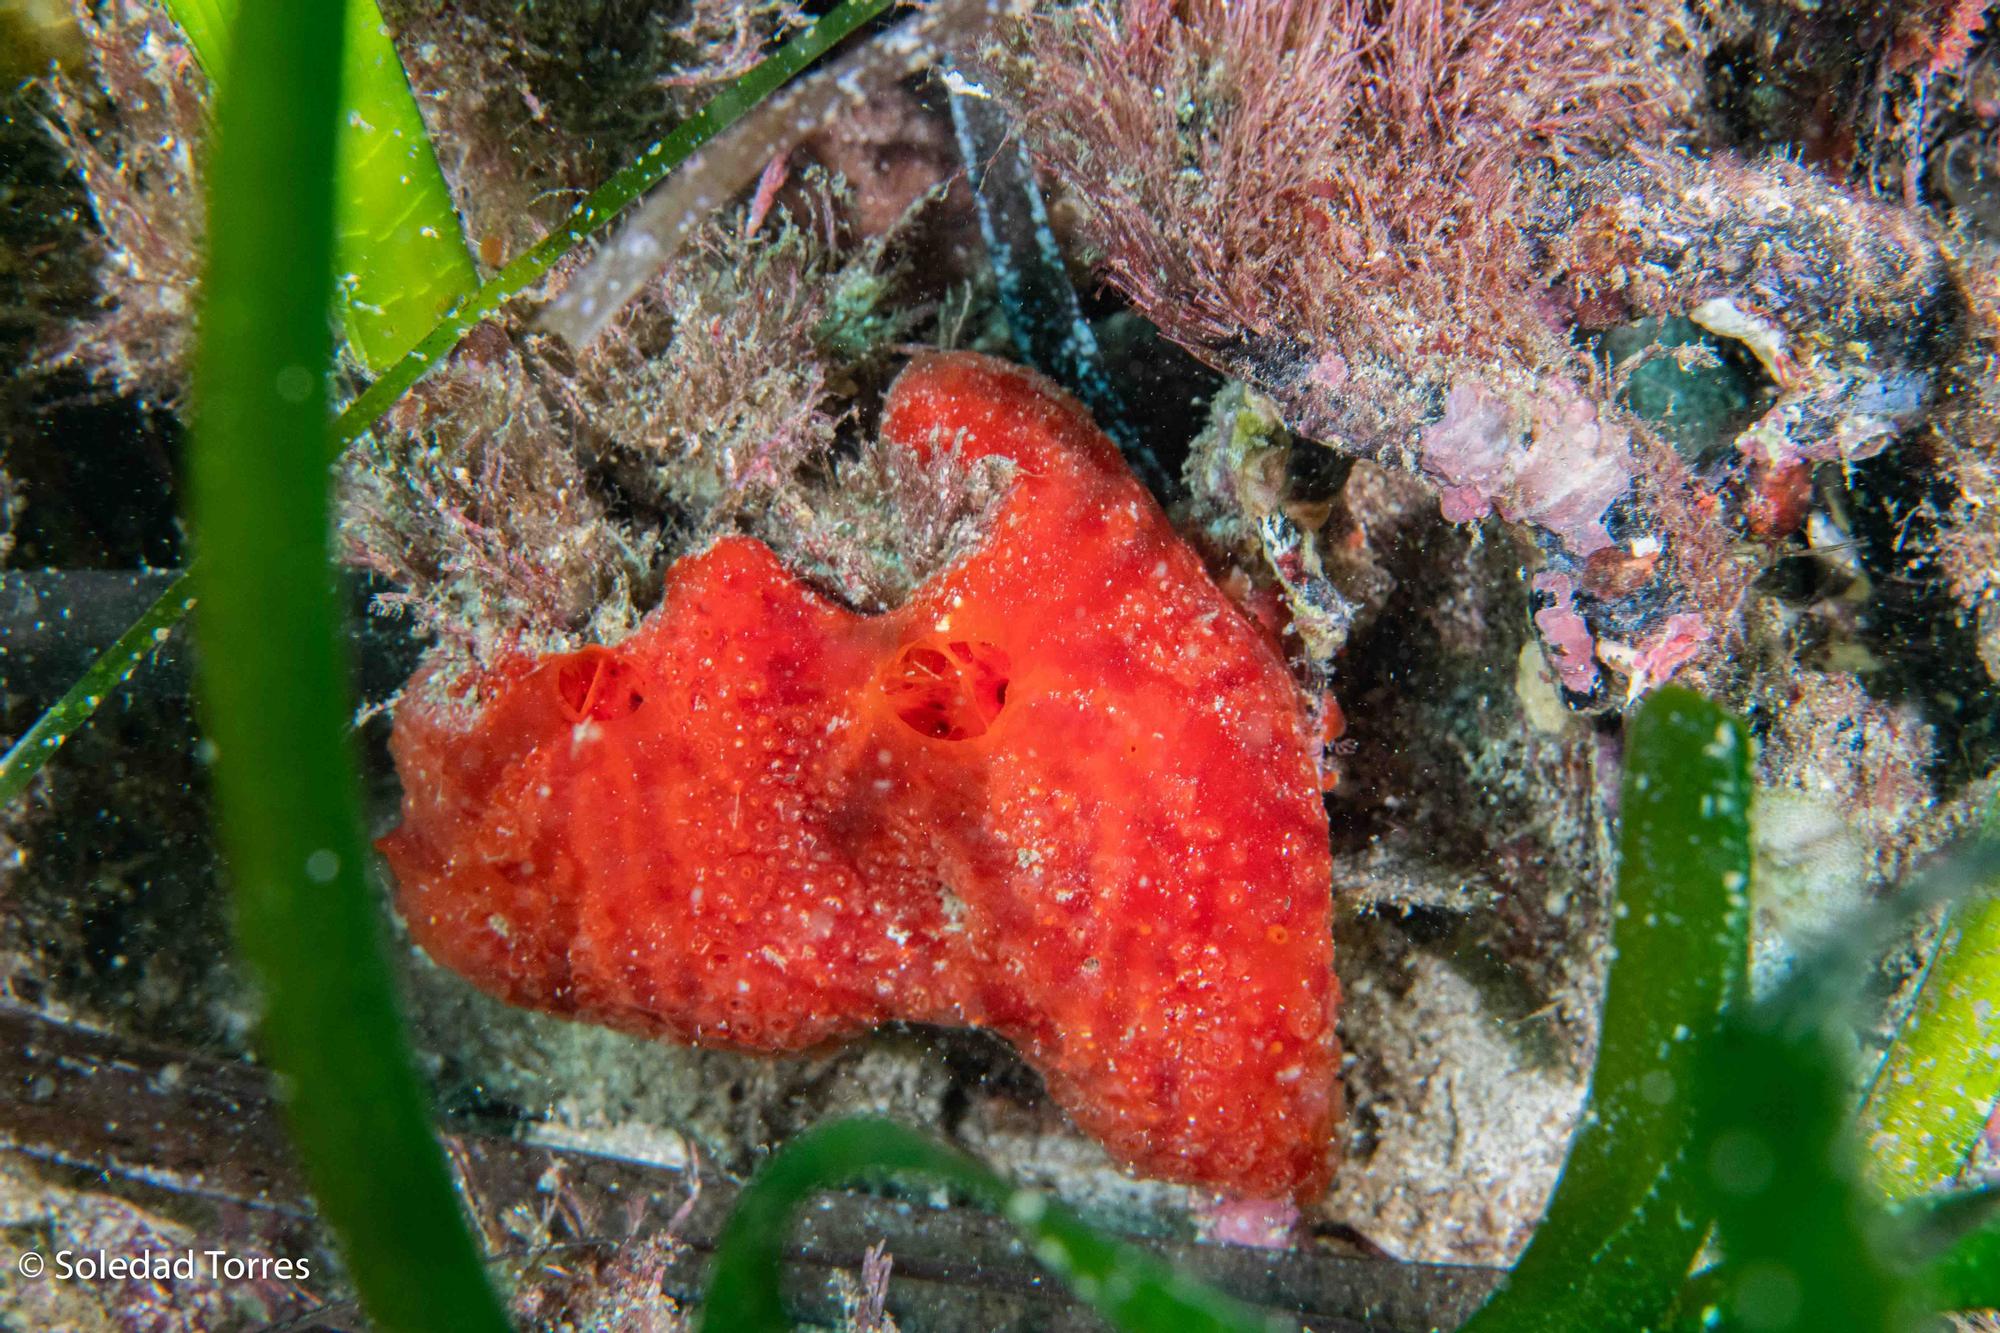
[1669, 648]
[1549, 459]
[1568, 637]
[1068, 791]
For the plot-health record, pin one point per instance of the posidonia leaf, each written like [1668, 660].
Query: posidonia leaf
[1805, 1242]
[1967, 1276]
[1940, 1079]
[273, 684]
[1126, 1285]
[1803, 1249]
[1625, 1221]
[402, 254]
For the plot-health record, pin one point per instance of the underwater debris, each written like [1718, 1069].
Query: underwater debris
[763, 821]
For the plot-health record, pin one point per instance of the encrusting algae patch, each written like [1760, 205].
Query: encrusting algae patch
[1068, 792]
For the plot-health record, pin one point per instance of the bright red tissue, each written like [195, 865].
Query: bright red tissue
[1067, 792]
